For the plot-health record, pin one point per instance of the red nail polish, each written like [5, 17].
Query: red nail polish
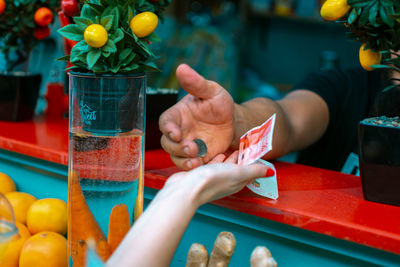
[270, 172]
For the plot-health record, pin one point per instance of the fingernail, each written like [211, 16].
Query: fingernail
[189, 164]
[171, 135]
[186, 150]
[270, 172]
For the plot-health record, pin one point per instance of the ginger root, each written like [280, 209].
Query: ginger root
[223, 249]
[261, 257]
[197, 256]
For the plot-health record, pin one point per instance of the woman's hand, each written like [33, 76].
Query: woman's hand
[219, 178]
[160, 228]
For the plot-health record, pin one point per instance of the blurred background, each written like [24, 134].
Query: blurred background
[251, 47]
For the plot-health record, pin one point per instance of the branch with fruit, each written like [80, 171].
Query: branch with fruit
[23, 24]
[374, 23]
[113, 36]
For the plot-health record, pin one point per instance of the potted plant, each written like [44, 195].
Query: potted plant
[23, 24]
[107, 98]
[376, 24]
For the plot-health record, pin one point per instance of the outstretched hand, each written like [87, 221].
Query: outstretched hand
[206, 113]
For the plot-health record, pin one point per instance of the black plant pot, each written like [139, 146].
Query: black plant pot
[157, 101]
[379, 157]
[19, 93]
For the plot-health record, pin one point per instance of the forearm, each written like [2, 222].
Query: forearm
[255, 112]
[153, 239]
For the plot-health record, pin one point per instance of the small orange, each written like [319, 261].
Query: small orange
[369, 58]
[2, 6]
[21, 203]
[44, 249]
[334, 9]
[11, 255]
[43, 16]
[144, 24]
[41, 32]
[95, 35]
[6, 183]
[48, 214]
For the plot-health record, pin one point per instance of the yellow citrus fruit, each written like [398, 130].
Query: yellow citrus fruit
[6, 184]
[95, 35]
[143, 24]
[48, 214]
[369, 58]
[44, 249]
[21, 203]
[334, 9]
[11, 255]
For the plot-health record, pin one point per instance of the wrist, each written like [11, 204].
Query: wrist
[238, 124]
[181, 188]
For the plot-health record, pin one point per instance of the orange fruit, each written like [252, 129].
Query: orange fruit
[48, 214]
[2, 6]
[369, 58]
[95, 35]
[20, 202]
[6, 183]
[43, 16]
[334, 9]
[41, 32]
[44, 249]
[143, 24]
[14, 247]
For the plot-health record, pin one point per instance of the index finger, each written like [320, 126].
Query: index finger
[170, 124]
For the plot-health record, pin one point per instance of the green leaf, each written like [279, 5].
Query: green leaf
[390, 87]
[83, 22]
[64, 58]
[72, 68]
[88, 12]
[115, 69]
[117, 36]
[109, 47]
[106, 53]
[154, 38]
[72, 32]
[81, 47]
[383, 12]
[353, 16]
[130, 14]
[92, 57]
[130, 68]
[373, 12]
[97, 8]
[125, 53]
[150, 66]
[107, 22]
[114, 12]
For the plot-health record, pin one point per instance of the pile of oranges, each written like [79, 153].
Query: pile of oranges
[42, 226]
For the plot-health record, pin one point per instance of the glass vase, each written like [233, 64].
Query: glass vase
[106, 156]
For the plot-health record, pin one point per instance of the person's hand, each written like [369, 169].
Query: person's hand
[206, 113]
[218, 179]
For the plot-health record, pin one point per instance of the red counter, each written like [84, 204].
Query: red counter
[314, 199]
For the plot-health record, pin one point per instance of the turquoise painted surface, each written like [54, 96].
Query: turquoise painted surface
[289, 245]
[40, 178]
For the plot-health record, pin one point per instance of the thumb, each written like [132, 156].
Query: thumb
[195, 84]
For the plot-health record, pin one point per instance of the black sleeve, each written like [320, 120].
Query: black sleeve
[331, 85]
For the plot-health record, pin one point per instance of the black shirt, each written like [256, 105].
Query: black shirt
[350, 96]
